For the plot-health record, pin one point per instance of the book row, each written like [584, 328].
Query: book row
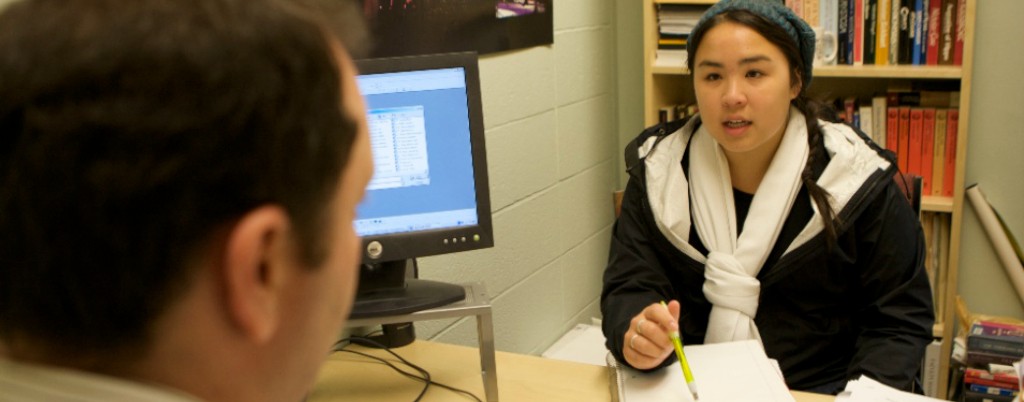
[886, 32]
[919, 127]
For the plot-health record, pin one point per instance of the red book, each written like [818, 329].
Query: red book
[985, 375]
[916, 143]
[892, 130]
[857, 30]
[949, 170]
[934, 31]
[927, 149]
[960, 32]
[903, 136]
[990, 383]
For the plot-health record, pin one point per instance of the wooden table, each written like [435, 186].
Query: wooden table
[348, 377]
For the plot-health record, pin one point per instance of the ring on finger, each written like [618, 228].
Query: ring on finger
[631, 339]
[639, 326]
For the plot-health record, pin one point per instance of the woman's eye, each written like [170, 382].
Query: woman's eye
[712, 77]
[754, 74]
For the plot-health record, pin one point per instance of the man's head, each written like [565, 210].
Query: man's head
[161, 160]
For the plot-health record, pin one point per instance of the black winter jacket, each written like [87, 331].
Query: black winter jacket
[863, 307]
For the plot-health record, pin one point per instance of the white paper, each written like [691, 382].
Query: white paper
[724, 372]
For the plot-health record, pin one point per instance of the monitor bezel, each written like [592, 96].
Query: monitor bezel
[401, 246]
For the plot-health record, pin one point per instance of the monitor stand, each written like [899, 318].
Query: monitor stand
[384, 289]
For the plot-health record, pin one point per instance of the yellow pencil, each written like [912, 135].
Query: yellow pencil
[678, 344]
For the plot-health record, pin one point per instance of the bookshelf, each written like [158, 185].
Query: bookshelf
[672, 85]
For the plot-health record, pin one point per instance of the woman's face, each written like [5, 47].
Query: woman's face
[743, 89]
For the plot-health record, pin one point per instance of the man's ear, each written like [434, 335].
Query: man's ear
[254, 269]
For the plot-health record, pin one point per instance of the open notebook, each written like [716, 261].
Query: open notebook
[724, 372]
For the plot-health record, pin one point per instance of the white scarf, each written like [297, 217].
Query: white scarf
[733, 261]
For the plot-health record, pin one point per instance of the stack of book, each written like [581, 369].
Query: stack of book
[675, 21]
[888, 32]
[992, 348]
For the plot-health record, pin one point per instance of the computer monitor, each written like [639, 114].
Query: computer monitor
[429, 193]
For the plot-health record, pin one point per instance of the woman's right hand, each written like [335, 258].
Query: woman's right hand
[647, 342]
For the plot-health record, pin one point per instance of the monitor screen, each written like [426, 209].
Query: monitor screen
[429, 192]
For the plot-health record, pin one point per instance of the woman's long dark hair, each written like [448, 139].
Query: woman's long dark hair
[810, 108]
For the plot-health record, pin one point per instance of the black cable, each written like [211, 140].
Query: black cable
[424, 376]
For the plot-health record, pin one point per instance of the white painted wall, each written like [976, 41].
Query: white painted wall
[552, 147]
[995, 154]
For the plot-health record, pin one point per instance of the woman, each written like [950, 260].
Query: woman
[757, 220]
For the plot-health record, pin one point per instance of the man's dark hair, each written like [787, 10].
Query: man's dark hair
[131, 132]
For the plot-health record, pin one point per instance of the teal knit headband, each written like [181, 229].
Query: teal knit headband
[773, 11]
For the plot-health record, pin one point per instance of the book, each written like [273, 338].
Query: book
[812, 12]
[828, 49]
[927, 149]
[903, 139]
[866, 123]
[991, 390]
[894, 32]
[991, 383]
[916, 32]
[843, 34]
[996, 337]
[892, 130]
[939, 152]
[878, 120]
[934, 16]
[915, 142]
[884, 10]
[949, 162]
[718, 368]
[870, 23]
[930, 369]
[857, 29]
[905, 47]
[982, 359]
[960, 32]
[947, 24]
[974, 396]
[973, 373]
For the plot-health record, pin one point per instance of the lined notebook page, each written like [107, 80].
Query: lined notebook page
[724, 372]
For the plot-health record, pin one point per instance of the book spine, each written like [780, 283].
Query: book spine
[978, 374]
[991, 390]
[917, 32]
[843, 36]
[903, 155]
[972, 396]
[995, 345]
[934, 24]
[812, 14]
[894, 32]
[906, 45]
[858, 32]
[981, 359]
[930, 369]
[916, 142]
[946, 39]
[892, 130]
[952, 123]
[927, 149]
[1000, 329]
[866, 120]
[940, 151]
[870, 30]
[961, 32]
[882, 32]
[830, 31]
[878, 120]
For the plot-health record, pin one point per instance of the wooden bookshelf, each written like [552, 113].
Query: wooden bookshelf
[673, 85]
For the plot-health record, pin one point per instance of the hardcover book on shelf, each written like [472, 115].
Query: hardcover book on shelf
[866, 120]
[916, 142]
[934, 17]
[946, 27]
[980, 374]
[917, 33]
[960, 32]
[892, 130]
[939, 155]
[927, 149]
[843, 38]
[870, 23]
[857, 30]
[981, 359]
[949, 162]
[1007, 385]
[884, 11]
[878, 119]
[903, 139]
[906, 45]
[894, 32]
[996, 337]
[827, 48]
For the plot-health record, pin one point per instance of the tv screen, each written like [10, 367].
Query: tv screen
[429, 192]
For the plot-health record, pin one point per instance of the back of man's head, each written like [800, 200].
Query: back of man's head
[130, 133]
